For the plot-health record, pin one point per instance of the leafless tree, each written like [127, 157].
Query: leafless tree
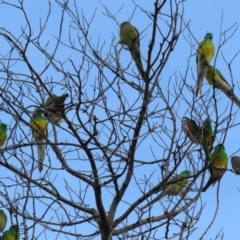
[121, 139]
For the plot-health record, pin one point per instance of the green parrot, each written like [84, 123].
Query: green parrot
[3, 220]
[55, 108]
[198, 135]
[12, 234]
[215, 78]
[235, 160]
[218, 165]
[3, 134]
[129, 36]
[178, 183]
[207, 133]
[205, 54]
[38, 125]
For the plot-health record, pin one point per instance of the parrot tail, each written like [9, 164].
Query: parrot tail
[229, 93]
[206, 186]
[41, 150]
[137, 58]
[209, 183]
[236, 100]
[201, 75]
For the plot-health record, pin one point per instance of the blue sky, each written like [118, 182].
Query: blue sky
[202, 17]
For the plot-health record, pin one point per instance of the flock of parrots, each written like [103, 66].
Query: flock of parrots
[202, 135]
[54, 112]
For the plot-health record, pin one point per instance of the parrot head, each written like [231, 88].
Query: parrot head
[207, 124]
[4, 126]
[15, 227]
[208, 36]
[124, 24]
[185, 173]
[219, 147]
[38, 111]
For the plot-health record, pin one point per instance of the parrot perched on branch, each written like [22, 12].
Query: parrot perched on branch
[129, 36]
[192, 130]
[198, 135]
[218, 165]
[236, 164]
[215, 78]
[174, 186]
[178, 183]
[38, 125]
[205, 54]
